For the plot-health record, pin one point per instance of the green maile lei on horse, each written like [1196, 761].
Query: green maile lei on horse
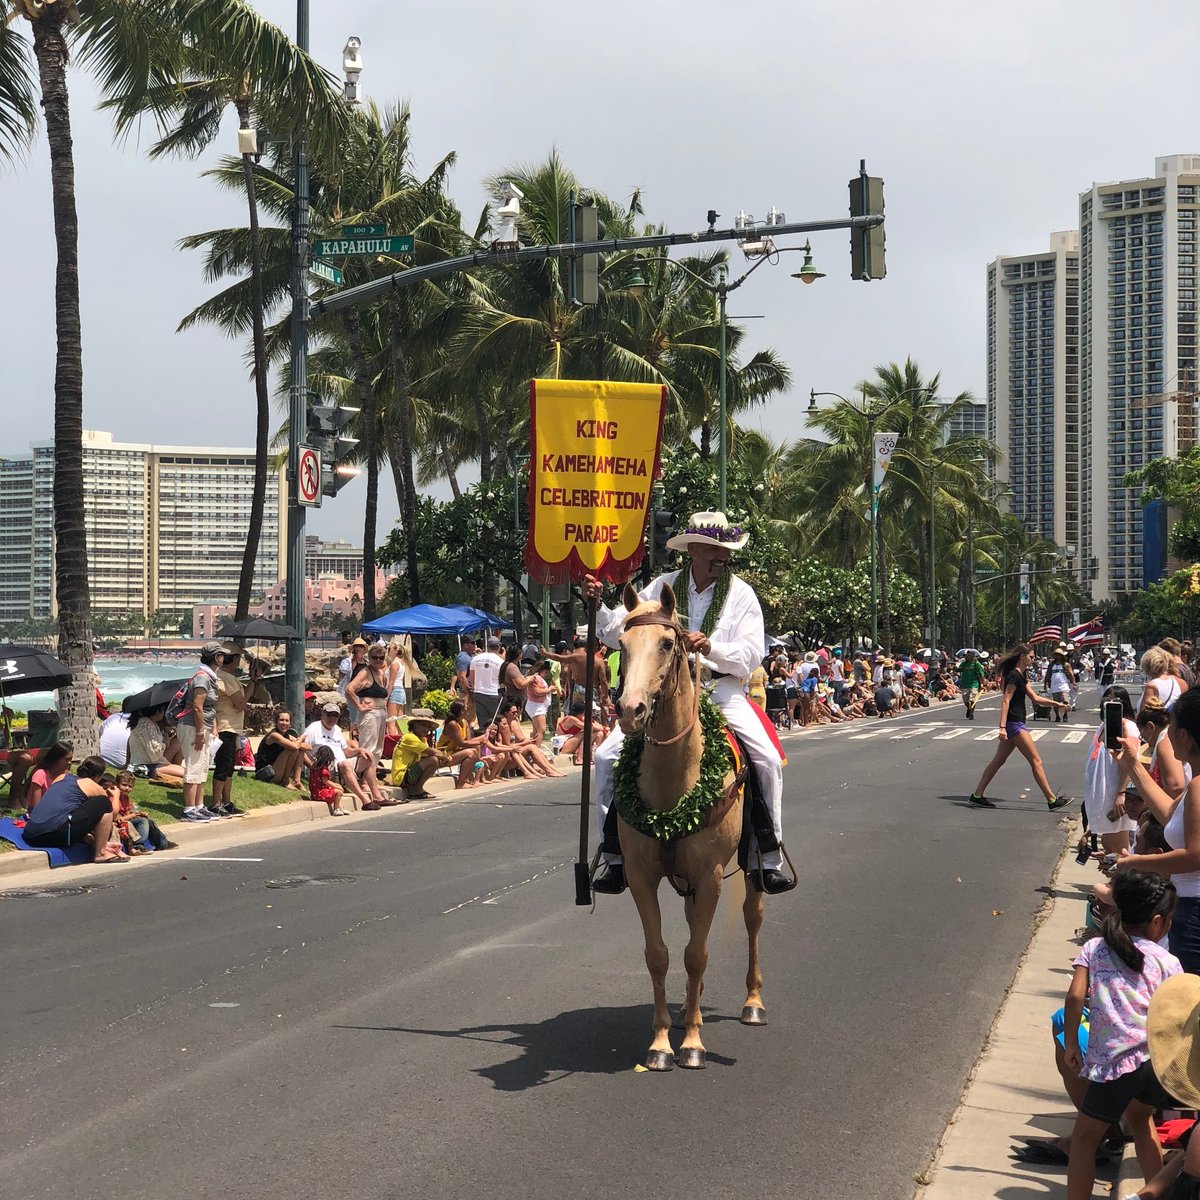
[716, 761]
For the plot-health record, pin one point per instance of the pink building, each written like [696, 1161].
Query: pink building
[323, 596]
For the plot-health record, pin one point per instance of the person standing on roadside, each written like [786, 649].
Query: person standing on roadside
[230, 722]
[970, 681]
[462, 683]
[1013, 670]
[483, 682]
[195, 728]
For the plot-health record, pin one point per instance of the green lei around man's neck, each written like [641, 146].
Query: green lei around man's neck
[720, 595]
[688, 814]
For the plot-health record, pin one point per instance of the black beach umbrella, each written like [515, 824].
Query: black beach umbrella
[27, 669]
[260, 629]
[157, 695]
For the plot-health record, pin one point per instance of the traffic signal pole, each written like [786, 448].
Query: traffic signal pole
[297, 417]
[375, 288]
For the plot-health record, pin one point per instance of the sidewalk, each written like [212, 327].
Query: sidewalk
[1015, 1090]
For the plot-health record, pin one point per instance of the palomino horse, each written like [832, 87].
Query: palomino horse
[659, 703]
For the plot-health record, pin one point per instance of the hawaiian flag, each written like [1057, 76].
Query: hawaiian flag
[1047, 633]
[1089, 634]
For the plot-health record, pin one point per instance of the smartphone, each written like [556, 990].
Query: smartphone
[1085, 852]
[1113, 724]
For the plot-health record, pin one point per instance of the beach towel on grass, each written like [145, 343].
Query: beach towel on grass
[58, 858]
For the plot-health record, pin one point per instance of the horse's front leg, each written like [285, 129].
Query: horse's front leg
[754, 1012]
[699, 909]
[645, 895]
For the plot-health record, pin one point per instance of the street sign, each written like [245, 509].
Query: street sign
[351, 231]
[367, 245]
[984, 572]
[322, 270]
[308, 481]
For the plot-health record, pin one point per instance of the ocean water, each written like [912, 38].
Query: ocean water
[119, 677]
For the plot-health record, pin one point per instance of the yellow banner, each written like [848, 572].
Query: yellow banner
[594, 459]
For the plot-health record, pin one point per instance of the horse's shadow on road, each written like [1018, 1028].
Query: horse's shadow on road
[584, 1041]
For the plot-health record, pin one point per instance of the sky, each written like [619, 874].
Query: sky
[985, 122]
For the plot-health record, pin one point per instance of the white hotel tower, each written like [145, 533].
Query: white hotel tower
[1137, 336]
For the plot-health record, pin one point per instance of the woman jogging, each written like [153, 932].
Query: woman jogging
[1013, 670]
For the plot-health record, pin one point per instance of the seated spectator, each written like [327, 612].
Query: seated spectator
[320, 783]
[414, 760]
[502, 759]
[571, 728]
[52, 764]
[512, 736]
[137, 831]
[280, 756]
[149, 754]
[355, 764]
[114, 738]
[74, 810]
[884, 697]
[460, 748]
[20, 761]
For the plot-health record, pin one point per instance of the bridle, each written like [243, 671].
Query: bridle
[678, 665]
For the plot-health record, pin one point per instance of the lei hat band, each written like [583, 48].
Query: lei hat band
[710, 529]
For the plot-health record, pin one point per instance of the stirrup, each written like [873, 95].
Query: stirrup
[754, 875]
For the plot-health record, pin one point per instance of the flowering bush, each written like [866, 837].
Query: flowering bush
[437, 700]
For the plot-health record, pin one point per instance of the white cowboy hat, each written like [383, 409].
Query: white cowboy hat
[1173, 1031]
[710, 529]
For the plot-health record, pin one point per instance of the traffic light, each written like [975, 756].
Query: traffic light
[866, 245]
[586, 226]
[327, 425]
[662, 529]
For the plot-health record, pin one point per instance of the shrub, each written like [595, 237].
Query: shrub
[439, 669]
[437, 701]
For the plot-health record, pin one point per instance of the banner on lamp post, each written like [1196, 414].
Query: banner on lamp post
[594, 456]
[885, 447]
[1023, 594]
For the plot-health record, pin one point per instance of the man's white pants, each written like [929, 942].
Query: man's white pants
[728, 697]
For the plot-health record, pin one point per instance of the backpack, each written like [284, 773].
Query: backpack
[181, 703]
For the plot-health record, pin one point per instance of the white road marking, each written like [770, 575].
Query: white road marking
[1076, 735]
[226, 1004]
[985, 737]
[213, 858]
[335, 829]
[1038, 734]
[945, 737]
[862, 737]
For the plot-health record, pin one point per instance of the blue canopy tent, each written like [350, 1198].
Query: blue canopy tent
[432, 621]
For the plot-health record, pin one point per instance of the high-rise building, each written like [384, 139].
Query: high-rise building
[1138, 294]
[166, 526]
[970, 421]
[331, 558]
[1033, 405]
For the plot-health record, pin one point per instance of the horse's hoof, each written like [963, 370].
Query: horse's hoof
[660, 1060]
[752, 1015]
[692, 1059]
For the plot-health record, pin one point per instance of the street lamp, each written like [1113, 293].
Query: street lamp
[808, 273]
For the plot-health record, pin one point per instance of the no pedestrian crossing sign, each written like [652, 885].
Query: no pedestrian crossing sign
[308, 478]
[366, 245]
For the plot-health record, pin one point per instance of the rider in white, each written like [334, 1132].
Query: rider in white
[731, 645]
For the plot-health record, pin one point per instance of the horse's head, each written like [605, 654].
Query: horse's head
[652, 651]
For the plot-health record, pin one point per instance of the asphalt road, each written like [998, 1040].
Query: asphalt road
[408, 1004]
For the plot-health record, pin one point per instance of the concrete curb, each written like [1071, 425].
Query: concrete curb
[1014, 1089]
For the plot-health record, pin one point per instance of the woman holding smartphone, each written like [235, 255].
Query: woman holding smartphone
[1104, 780]
[1013, 671]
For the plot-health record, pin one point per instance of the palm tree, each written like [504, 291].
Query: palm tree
[271, 82]
[367, 177]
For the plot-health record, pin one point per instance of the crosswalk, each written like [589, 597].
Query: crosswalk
[944, 731]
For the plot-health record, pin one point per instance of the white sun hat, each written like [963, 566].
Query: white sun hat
[710, 529]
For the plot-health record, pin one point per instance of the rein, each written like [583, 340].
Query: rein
[679, 661]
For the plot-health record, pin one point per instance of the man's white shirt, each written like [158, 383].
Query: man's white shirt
[738, 638]
[317, 735]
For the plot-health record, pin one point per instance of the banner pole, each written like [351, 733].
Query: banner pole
[583, 884]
